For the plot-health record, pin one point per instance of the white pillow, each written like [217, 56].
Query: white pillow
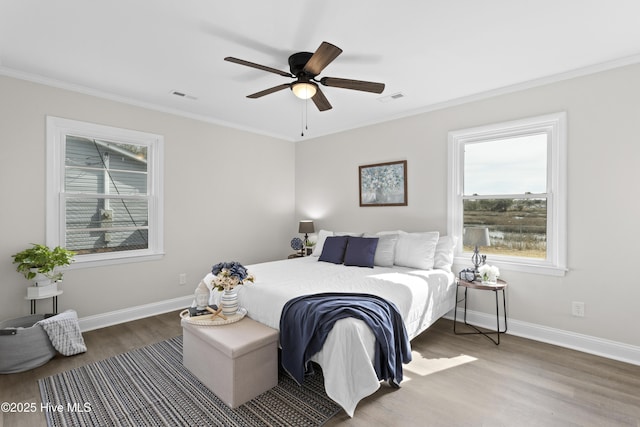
[322, 236]
[416, 250]
[444, 252]
[384, 233]
[386, 249]
[347, 233]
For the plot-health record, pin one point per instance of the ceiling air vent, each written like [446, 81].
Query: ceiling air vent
[391, 97]
[183, 95]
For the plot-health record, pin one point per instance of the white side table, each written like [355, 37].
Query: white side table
[53, 295]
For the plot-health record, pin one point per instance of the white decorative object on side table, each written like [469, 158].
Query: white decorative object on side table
[489, 274]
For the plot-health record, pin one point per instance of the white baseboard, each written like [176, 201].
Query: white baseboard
[133, 313]
[588, 344]
[585, 343]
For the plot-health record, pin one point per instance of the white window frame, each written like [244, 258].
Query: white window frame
[57, 131]
[555, 126]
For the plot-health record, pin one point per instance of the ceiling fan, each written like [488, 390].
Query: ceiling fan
[305, 67]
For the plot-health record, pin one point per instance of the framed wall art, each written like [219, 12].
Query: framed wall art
[383, 184]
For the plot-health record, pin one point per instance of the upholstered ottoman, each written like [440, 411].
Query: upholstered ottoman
[237, 361]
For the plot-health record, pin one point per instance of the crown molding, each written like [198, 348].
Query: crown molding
[578, 72]
[85, 90]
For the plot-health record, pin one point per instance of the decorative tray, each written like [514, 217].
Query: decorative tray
[211, 320]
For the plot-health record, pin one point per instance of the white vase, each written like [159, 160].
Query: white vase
[491, 279]
[229, 302]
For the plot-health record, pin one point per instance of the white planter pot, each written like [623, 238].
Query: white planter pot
[41, 291]
[40, 279]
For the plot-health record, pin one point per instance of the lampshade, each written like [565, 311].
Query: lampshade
[476, 236]
[306, 226]
[304, 90]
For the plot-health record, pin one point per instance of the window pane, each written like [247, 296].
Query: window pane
[506, 166]
[78, 180]
[94, 166]
[89, 221]
[127, 183]
[91, 242]
[517, 227]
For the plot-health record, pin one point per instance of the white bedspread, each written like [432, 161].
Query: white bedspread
[421, 296]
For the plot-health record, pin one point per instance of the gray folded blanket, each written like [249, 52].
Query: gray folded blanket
[64, 333]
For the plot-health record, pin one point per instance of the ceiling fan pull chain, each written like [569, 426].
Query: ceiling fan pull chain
[304, 125]
[302, 121]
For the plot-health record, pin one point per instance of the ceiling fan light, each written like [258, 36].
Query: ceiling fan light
[304, 90]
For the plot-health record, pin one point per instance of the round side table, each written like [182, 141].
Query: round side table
[501, 285]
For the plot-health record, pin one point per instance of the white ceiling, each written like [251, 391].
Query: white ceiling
[433, 52]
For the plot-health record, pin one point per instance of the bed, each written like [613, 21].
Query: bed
[422, 296]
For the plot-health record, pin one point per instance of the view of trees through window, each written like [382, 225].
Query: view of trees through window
[505, 186]
[517, 227]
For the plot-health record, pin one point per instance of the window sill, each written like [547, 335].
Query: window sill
[521, 267]
[88, 261]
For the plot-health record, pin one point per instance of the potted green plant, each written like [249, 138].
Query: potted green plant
[39, 263]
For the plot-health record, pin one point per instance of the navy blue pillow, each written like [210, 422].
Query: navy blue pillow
[361, 251]
[333, 249]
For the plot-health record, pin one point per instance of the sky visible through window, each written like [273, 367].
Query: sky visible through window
[506, 166]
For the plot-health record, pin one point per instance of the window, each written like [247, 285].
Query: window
[104, 191]
[511, 178]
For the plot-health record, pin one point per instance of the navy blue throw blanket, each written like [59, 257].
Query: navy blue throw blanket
[307, 320]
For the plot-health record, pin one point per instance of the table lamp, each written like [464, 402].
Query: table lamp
[476, 236]
[306, 227]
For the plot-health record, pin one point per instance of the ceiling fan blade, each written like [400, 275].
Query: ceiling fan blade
[258, 66]
[268, 91]
[321, 58]
[321, 101]
[353, 84]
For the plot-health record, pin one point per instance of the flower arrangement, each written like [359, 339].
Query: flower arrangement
[489, 273]
[228, 275]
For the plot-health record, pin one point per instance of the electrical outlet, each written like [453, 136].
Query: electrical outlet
[182, 279]
[577, 309]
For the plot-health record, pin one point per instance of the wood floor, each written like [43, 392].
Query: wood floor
[452, 381]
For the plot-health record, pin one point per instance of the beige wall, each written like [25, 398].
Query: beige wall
[228, 196]
[200, 229]
[603, 152]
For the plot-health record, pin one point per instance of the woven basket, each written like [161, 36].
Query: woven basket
[24, 345]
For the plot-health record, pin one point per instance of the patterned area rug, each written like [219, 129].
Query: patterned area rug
[151, 387]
